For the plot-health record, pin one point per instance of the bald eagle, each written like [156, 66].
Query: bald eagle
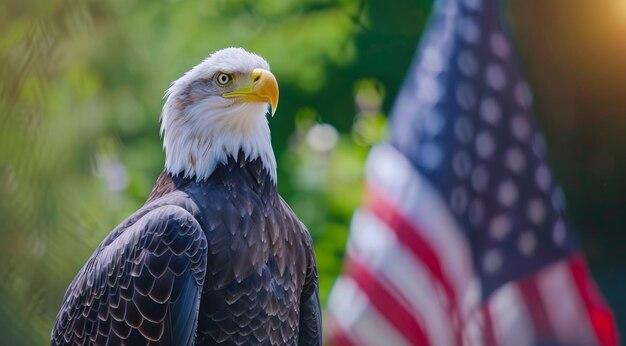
[215, 255]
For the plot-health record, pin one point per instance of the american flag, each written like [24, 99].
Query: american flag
[462, 239]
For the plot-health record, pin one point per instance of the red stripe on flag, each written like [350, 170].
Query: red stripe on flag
[536, 308]
[338, 336]
[389, 307]
[489, 336]
[411, 238]
[600, 316]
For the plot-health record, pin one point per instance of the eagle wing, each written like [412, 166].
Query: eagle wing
[310, 321]
[310, 330]
[141, 287]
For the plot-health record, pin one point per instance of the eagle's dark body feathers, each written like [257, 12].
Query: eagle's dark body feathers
[220, 261]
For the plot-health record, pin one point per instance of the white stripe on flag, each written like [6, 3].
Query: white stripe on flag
[389, 171]
[360, 321]
[512, 323]
[564, 307]
[375, 245]
[474, 328]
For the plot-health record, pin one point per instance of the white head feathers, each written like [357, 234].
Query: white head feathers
[201, 128]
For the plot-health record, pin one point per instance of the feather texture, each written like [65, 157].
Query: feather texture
[217, 261]
[130, 290]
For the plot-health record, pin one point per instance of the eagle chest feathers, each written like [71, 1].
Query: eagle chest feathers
[215, 256]
[257, 258]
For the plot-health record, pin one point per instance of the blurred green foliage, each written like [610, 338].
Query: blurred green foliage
[81, 85]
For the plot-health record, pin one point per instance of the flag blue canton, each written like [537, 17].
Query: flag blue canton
[464, 120]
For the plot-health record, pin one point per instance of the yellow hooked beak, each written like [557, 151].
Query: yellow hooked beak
[263, 88]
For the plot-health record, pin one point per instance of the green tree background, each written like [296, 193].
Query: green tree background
[81, 85]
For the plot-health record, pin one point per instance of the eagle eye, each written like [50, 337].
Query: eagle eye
[223, 79]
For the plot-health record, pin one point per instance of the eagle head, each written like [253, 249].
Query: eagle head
[217, 109]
